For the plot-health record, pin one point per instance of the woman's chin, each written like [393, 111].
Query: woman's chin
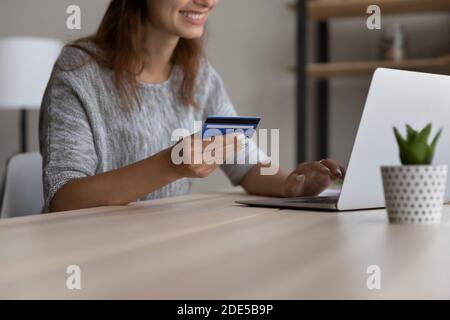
[194, 34]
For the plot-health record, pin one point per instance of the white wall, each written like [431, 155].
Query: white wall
[250, 44]
[44, 18]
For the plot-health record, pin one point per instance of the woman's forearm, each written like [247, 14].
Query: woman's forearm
[118, 187]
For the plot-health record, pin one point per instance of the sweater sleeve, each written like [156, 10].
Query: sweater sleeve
[65, 135]
[218, 103]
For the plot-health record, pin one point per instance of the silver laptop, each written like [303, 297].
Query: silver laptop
[395, 98]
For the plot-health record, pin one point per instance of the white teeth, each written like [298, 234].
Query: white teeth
[192, 15]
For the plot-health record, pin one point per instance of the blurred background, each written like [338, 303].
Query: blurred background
[303, 67]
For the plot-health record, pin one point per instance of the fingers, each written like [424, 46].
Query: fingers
[312, 166]
[225, 147]
[343, 170]
[237, 141]
[321, 168]
[231, 139]
[299, 183]
[233, 149]
[314, 177]
[217, 150]
[294, 185]
[336, 169]
[317, 182]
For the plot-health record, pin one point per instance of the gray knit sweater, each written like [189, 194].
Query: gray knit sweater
[85, 130]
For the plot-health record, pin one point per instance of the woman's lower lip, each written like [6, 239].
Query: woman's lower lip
[195, 22]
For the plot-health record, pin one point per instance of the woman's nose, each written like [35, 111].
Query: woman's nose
[206, 3]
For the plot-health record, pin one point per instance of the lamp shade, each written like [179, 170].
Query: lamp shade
[25, 68]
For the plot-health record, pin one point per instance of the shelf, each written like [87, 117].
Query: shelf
[320, 11]
[326, 9]
[336, 69]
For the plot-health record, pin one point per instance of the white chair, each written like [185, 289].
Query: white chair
[22, 188]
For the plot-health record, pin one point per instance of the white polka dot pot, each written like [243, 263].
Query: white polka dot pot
[414, 194]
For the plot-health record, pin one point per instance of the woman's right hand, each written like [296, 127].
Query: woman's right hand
[205, 156]
[130, 183]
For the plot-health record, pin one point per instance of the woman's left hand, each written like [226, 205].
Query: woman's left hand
[311, 178]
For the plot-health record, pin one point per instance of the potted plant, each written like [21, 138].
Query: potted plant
[414, 192]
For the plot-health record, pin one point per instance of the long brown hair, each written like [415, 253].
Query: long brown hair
[120, 46]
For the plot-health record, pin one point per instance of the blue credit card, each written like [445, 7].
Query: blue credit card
[218, 126]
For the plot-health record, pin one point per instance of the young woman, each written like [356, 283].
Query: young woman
[115, 98]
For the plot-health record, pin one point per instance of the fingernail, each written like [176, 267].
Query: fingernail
[300, 178]
[339, 173]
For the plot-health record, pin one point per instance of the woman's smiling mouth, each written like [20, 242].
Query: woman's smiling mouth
[195, 18]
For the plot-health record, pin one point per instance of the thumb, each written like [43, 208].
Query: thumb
[297, 185]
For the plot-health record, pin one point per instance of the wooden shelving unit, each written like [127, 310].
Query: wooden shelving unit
[321, 11]
[356, 68]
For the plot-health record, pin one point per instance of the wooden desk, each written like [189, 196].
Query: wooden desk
[206, 247]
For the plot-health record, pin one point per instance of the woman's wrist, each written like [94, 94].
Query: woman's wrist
[170, 169]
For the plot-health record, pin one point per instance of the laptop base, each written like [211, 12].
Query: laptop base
[318, 203]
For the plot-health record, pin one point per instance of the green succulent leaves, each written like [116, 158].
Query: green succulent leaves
[415, 150]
